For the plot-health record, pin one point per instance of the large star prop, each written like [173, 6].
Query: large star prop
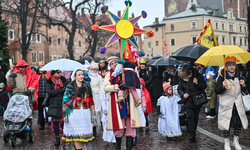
[123, 29]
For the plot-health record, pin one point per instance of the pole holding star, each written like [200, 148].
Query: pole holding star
[123, 29]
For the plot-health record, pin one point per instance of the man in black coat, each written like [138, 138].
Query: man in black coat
[144, 73]
[2, 76]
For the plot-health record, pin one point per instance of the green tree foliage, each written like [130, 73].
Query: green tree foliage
[4, 52]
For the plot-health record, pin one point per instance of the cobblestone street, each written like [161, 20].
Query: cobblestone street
[208, 137]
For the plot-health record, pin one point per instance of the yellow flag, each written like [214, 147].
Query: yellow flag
[207, 37]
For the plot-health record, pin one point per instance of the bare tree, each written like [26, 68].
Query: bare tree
[25, 11]
[95, 38]
[68, 20]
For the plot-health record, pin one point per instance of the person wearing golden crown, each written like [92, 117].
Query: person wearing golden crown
[231, 108]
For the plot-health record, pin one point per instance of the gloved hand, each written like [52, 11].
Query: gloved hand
[93, 119]
[28, 92]
[122, 85]
[143, 109]
[13, 75]
[117, 71]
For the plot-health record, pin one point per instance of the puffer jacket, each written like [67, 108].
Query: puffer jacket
[211, 95]
[55, 97]
[191, 88]
[42, 86]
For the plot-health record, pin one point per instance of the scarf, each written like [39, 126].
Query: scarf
[94, 74]
[231, 74]
[57, 81]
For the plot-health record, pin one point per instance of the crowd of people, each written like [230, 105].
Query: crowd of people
[118, 94]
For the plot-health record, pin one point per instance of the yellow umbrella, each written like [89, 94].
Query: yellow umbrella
[216, 56]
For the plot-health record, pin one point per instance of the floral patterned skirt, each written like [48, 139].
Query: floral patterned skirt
[79, 127]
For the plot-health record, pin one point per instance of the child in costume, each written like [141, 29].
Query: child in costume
[167, 109]
[131, 81]
[231, 108]
[148, 102]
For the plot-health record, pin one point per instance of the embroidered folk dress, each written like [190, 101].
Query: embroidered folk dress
[169, 124]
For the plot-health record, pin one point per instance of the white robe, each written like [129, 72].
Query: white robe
[169, 124]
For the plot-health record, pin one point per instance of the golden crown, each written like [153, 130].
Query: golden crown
[231, 58]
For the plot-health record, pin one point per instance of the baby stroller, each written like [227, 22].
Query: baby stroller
[18, 120]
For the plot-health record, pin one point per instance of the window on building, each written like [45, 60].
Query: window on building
[149, 46]
[58, 27]
[66, 41]
[41, 56]
[244, 1]
[38, 38]
[193, 25]
[234, 40]
[80, 44]
[194, 39]
[240, 29]
[172, 42]
[51, 58]
[49, 26]
[223, 40]
[230, 1]
[33, 57]
[245, 29]
[217, 38]
[116, 47]
[38, 24]
[50, 40]
[244, 16]
[31, 37]
[59, 57]
[245, 41]
[172, 27]
[28, 22]
[231, 27]
[11, 34]
[223, 26]
[54, 58]
[156, 29]
[59, 41]
[240, 41]
[156, 43]
[13, 19]
[217, 25]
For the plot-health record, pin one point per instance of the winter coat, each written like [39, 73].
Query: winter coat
[157, 81]
[173, 76]
[55, 98]
[42, 85]
[192, 88]
[4, 98]
[211, 95]
[228, 98]
[2, 78]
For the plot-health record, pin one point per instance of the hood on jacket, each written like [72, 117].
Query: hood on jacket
[21, 63]
[142, 82]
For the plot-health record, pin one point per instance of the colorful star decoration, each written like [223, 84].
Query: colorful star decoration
[123, 29]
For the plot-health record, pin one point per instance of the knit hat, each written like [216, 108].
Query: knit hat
[40, 63]
[166, 85]
[210, 74]
[93, 66]
[112, 58]
[53, 72]
[230, 60]
[1, 85]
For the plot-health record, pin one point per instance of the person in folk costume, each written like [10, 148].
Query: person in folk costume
[40, 92]
[148, 102]
[78, 110]
[231, 108]
[167, 109]
[123, 114]
[96, 84]
[103, 68]
[55, 87]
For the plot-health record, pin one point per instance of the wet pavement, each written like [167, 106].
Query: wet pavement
[151, 140]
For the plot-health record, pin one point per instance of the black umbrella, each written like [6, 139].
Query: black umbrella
[190, 53]
[151, 60]
[166, 61]
[86, 58]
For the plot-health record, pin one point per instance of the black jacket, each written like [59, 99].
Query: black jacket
[3, 79]
[42, 86]
[191, 88]
[174, 77]
[157, 81]
[144, 74]
[55, 98]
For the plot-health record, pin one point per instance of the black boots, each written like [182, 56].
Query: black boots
[134, 140]
[129, 142]
[41, 127]
[94, 131]
[118, 143]
[57, 143]
[192, 137]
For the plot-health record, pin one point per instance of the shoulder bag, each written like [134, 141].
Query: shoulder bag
[199, 99]
[246, 100]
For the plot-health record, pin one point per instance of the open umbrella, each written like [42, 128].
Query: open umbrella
[166, 61]
[189, 53]
[216, 56]
[151, 60]
[86, 58]
[63, 65]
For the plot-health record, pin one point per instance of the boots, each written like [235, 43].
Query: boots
[236, 143]
[57, 143]
[192, 137]
[94, 131]
[129, 142]
[211, 114]
[134, 140]
[227, 144]
[118, 143]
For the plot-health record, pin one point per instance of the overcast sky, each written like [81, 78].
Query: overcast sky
[154, 8]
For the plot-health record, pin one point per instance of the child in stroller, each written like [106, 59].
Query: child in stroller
[18, 119]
